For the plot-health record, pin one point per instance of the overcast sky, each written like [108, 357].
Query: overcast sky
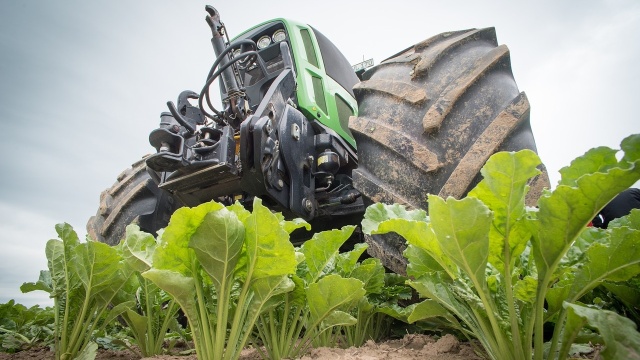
[82, 83]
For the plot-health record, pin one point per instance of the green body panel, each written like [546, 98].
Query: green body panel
[319, 101]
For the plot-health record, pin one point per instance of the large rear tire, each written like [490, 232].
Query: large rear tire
[429, 118]
[134, 198]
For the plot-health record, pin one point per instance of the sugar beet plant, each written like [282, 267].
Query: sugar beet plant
[83, 279]
[94, 284]
[152, 312]
[224, 266]
[488, 265]
[319, 303]
[337, 299]
[231, 270]
[376, 311]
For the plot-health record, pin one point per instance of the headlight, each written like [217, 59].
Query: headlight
[279, 35]
[263, 42]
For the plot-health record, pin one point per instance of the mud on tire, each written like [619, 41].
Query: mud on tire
[134, 197]
[429, 118]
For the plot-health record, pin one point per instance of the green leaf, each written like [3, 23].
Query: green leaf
[266, 290]
[67, 235]
[576, 253]
[565, 212]
[379, 213]
[436, 287]
[333, 293]
[503, 190]
[89, 352]
[628, 293]
[413, 225]
[58, 257]
[631, 147]
[598, 159]
[569, 208]
[396, 287]
[476, 239]
[320, 252]
[557, 295]
[174, 253]
[519, 236]
[97, 265]
[419, 261]
[44, 283]
[337, 318]
[118, 310]
[240, 211]
[138, 323]
[371, 273]
[397, 312]
[617, 261]
[268, 245]
[525, 289]
[298, 296]
[428, 309]
[613, 255]
[365, 307]
[621, 338]
[291, 225]
[138, 248]
[462, 228]
[180, 287]
[347, 262]
[60, 254]
[632, 220]
[217, 243]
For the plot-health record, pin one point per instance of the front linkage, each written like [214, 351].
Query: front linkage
[261, 144]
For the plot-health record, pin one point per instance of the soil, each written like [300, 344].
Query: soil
[411, 347]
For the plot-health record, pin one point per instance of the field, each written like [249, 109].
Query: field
[519, 281]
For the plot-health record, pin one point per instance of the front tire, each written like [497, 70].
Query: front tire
[430, 117]
[134, 198]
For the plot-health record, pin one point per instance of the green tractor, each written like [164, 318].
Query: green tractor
[300, 129]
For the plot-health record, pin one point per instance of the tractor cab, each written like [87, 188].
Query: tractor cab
[324, 77]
